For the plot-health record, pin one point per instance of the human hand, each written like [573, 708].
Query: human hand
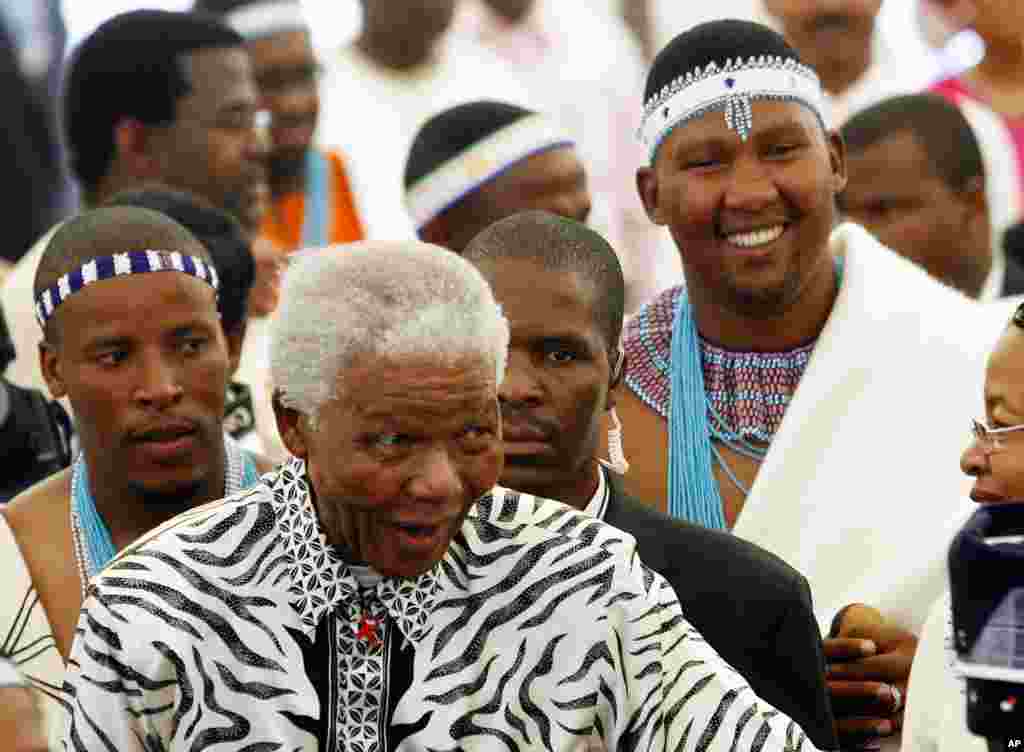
[868, 668]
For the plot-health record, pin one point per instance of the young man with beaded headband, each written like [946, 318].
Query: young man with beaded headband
[133, 338]
[380, 591]
[479, 162]
[783, 392]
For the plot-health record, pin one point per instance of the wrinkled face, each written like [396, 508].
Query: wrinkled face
[827, 32]
[144, 362]
[22, 726]
[558, 377]
[213, 147]
[1000, 474]
[286, 73]
[751, 218]
[895, 193]
[398, 459]
[552, 181]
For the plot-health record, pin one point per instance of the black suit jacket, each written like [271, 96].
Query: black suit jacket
[1013, 281]
[751, 607]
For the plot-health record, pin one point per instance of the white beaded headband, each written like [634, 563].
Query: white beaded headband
[451, 181]
[266, 18]
[730, 87]
[120, 265]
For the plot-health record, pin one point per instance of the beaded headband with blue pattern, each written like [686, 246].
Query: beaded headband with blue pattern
[730, 87]
[120, 265]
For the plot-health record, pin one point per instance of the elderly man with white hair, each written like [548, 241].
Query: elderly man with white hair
[378, 591]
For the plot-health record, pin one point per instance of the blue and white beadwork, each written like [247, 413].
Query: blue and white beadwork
[730, 88]
[120, 265]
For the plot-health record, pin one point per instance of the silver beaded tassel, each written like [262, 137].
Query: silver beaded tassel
[739, 115]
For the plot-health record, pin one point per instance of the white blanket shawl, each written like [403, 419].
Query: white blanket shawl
[26, 637]
[862, 490]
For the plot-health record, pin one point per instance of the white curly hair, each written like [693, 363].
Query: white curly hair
[384, 298]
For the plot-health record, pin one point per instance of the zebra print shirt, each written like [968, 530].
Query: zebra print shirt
[233, 629]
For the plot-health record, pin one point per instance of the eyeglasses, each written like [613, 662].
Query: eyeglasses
[991, 439]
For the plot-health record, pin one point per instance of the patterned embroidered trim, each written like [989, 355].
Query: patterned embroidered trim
[319, 579]
[731, 88]
[750, 391]
[464, 173]
[120, 265]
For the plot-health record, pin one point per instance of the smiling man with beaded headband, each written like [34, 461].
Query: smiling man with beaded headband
[776, 392]
[128, 303]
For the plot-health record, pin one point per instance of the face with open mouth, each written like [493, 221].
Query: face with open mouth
[751, 218]
[398, 459]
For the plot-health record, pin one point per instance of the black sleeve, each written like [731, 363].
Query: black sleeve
[801, 667]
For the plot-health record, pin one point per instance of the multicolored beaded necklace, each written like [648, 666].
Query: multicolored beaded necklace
[745, 396]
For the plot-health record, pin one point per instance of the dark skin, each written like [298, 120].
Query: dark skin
[553, 181]
[752, 221]
[402, 34]
[834, 37]
[286, 72]
[212, 148]
[130, 380]
[399, 457]
[558, 384]
[512, 11]
[894, 192]
[999, 472]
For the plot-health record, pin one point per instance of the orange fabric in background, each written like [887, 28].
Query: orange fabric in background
[283, 223]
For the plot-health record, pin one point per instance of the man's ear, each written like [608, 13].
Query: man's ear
[974, 195]
[837, 161]
[235, 340]
[616, 376]
[291, 426]
[647, 187]
[133, 148]
[52, 369]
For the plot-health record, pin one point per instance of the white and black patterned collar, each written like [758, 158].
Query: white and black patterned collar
[320, 581]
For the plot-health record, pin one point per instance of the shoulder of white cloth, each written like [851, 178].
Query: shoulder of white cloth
[888, 287]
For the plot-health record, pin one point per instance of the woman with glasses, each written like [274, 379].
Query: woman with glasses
[936, 718]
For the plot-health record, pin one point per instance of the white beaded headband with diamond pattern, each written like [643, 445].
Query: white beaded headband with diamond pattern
[730, 87]
[120, 265]
[448, 183]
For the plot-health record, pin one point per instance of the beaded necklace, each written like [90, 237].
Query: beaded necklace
[93, 545]
[744, 397]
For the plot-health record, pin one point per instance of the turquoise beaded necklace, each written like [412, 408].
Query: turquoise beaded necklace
[693, 425]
